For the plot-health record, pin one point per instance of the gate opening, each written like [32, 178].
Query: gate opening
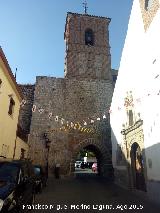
[88, 161]
[137, 167]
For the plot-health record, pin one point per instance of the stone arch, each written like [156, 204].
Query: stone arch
[133, 137]
[137, 167]
[139, 143]
[102, 153]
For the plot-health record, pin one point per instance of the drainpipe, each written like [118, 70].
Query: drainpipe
[14, 152]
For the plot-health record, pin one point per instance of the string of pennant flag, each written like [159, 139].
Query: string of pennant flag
[40, 109]
[86, 127]
[127, 103]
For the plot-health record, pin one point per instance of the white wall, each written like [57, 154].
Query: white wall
[137, 74]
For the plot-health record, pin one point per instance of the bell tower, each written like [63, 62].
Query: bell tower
[87, 47]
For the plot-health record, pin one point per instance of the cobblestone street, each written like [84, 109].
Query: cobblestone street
[89, 193]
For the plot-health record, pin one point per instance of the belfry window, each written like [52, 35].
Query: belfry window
[148, 4]
[89, 37]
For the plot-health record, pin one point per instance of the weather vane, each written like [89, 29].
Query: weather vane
[85, 7]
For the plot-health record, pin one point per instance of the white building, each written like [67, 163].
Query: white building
[135, 108]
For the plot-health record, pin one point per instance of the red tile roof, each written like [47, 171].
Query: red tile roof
[88, 15]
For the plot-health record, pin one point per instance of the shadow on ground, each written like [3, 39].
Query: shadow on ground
[89, 193]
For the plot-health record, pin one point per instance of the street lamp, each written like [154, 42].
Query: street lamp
[47, 144]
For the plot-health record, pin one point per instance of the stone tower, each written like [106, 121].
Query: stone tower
[87, 47]
[71, 113]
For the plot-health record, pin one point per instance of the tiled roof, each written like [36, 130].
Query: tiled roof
[88, 15]
[4, 59]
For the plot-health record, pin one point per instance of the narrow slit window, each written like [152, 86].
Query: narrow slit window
[130, 118]
[11, 106]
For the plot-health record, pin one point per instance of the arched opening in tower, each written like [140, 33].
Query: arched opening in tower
[89, 161]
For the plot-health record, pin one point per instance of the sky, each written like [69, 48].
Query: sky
[32, 33]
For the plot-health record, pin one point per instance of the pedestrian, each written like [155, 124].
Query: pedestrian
[57, 171]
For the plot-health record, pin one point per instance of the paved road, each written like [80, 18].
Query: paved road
[89, 193]
[86, 171]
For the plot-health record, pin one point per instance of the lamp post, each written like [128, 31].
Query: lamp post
[47, 144]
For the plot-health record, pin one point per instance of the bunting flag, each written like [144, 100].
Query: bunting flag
[86, 130]
[34, 108]
[72, 124]
[62, 121]
[85, 123]
[79, 126]
[56, 118]
[50, 115]
[82, 129]
[23, 102]
[104, 116]
[41, 110]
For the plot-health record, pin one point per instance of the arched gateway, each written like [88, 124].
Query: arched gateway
[101, 152]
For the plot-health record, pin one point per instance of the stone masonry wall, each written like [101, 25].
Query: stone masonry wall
[25, 113]
[76, 101]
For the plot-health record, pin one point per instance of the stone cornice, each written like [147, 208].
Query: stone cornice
[133, 127]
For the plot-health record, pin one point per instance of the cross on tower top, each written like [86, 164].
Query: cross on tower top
[85, 7]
